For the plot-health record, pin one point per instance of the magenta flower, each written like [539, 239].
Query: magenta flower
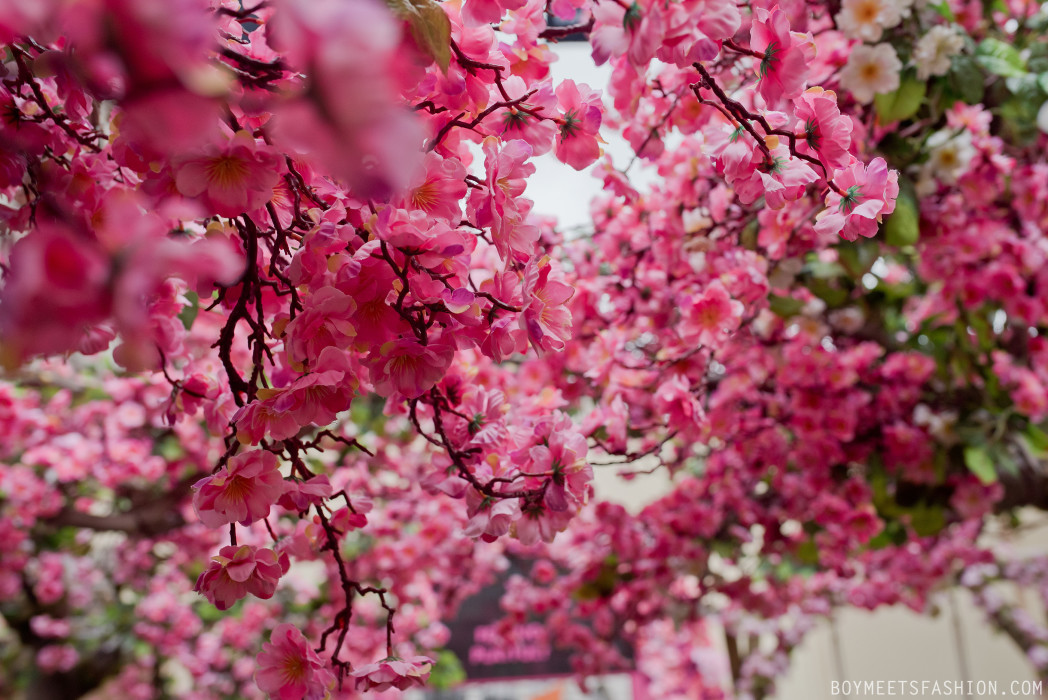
[232, 179]
[242, 491]
[545, 318]
[577, 142]
[499, 205]
[393, 673]
[635, 31]
[784, 68]
[237, 571]
[409, 368]
[868, 194]
[438, 188]
[288, 669]
[827, 134]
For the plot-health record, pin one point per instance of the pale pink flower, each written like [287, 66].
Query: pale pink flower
[482, 12]
[545, 316]
[521, 122]
[237, 571]
[393, 672]
[695, 29]
[709, 317]
[323, 322]
[489, 518]
[241, 491]
[288, 669]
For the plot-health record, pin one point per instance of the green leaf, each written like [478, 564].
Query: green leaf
[430, 27]
[978, 461]
[927, 520]
[903, 224]
[808, 552]
[784, 306]
[943, 8]
[189, 313]
[903, 103]
[447, 671]
[1036, 440]
[965, 79]
[1042, 81]
[1000, 58]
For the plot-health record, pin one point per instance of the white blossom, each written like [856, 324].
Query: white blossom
[934, 50]
[871, 70]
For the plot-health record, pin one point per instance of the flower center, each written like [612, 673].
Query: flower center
[852, 196]
[226, 171]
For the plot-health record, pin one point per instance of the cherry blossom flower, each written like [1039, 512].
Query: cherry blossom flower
[393, 672]
[242, 491]
[869, 194]
[545, 318]
[577, 142]
[407, 367]
[234, 178]
[783, 70]
[632, 30]
[498, 205]
[289, 669]
[236, 571]
[827, 134]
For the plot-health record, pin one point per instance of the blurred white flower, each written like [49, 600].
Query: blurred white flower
[934, 50]
[1042, 118]
[867, 19]
[949, 155]
[871, 70]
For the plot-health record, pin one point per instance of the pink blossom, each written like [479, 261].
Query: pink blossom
[324, 322]
[695, 30]
[300, 495]
[480, 12]
[489, 518]
[710, 315]
[393, 672]
[868, 194]
[407, 367]
[581, 110]
[784, 68]
[531, 121]
[242, 491]
[288, 669]
[498, 205]
[439, 188]
[236, 571]
[827, 133]
[634, 31]
[231, 179]
[545, 317]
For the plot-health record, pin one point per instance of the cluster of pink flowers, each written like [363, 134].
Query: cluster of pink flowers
[304, 231]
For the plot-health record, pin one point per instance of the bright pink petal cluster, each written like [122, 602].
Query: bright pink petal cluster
[393, 672]
[237, 571]
[242, 491]
[867, 194]
[288, 669]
